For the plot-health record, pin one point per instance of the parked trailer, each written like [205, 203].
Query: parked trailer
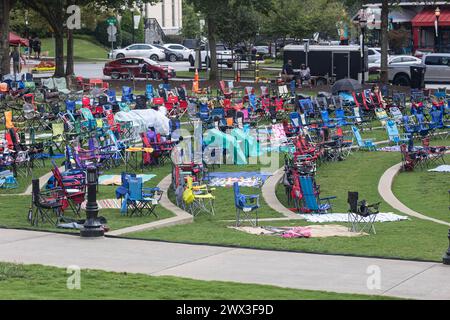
[329, 63]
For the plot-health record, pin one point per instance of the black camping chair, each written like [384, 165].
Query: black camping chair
[361, 216]
[46, 206]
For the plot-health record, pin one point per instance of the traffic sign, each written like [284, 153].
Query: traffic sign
[112, 30]
[111, 20]
[112, 38]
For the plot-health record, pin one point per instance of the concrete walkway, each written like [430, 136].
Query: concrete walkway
[385, 190]
[269, 194]
[408, 279]
[181, 216]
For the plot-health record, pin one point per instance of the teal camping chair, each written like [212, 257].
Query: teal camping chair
[311, 200]
[366, 144]
[394, 135]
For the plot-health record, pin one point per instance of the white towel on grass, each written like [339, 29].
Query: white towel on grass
[443, 168]
[343, 217]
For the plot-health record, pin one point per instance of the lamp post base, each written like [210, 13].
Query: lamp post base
[92, 232]
[92, 229]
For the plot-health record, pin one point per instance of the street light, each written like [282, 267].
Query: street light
[92, 227]
[363, 25]
[437, 14]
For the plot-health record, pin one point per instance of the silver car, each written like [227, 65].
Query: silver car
[141, 50]
[438, 67]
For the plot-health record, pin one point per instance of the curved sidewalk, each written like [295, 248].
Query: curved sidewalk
[181, 216]
[269, 194]
[385, 190]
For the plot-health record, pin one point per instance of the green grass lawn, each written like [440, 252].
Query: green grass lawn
[34, 282]
[14, 209]
[412, 239]
[85, 48]
[425, 192]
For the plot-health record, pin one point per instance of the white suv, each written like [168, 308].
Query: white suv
[188, 54]
[141, 50]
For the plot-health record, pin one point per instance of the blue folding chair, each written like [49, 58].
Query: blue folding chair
[367, 144]
[111, 93]
[394, 135]
[296, 122]
[326, 120]
[307, 107]
[127, 94]
[142, 201]
[311, 200]
[341, 118]
[245, 204]
[149, 92]
[424, 129]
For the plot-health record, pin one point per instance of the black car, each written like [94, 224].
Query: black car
[171, 56]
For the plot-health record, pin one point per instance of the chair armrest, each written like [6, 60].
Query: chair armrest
[328, 198]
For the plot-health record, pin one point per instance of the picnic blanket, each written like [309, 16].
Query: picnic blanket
[442, 168]
[313, 231]
[105, 204]
[116, 180]
[343, 217]
[245, 179]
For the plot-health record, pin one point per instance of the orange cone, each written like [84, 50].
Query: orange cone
[196, 77]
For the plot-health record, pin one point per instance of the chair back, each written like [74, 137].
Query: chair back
[352, 201]
[295, 119]
[60, 83]
[135, 188]
[392, 130]
[237, 196]
[357, 136]
[306, 183]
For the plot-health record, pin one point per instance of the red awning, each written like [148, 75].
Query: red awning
[426, 18]
[15, 40]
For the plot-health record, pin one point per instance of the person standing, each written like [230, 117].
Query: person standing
[30, 46]
[16, 57]
[37, 47]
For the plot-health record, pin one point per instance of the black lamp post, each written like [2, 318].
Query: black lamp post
[92, 227]
[362, 25]
[437, 14]
[446, 257]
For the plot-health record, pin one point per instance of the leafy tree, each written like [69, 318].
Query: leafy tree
[213, 12]
[240, 23]
[191, 22]
[5, 8]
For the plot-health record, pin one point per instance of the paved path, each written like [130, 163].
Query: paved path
[385, 190]
[408, 279]
[269, 194]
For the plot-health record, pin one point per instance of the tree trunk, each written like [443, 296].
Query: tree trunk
[212, 48]
[5, 7]
[59, 53]
[384, 77]
[69, 63]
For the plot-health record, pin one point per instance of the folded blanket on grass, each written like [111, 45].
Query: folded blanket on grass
[111, 180]
[343, 217]
[245, 179]
[443, 168]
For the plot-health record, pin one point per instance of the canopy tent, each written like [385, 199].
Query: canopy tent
[15, 40]
[144, 119]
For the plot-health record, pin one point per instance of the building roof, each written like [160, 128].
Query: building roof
[427, 18]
